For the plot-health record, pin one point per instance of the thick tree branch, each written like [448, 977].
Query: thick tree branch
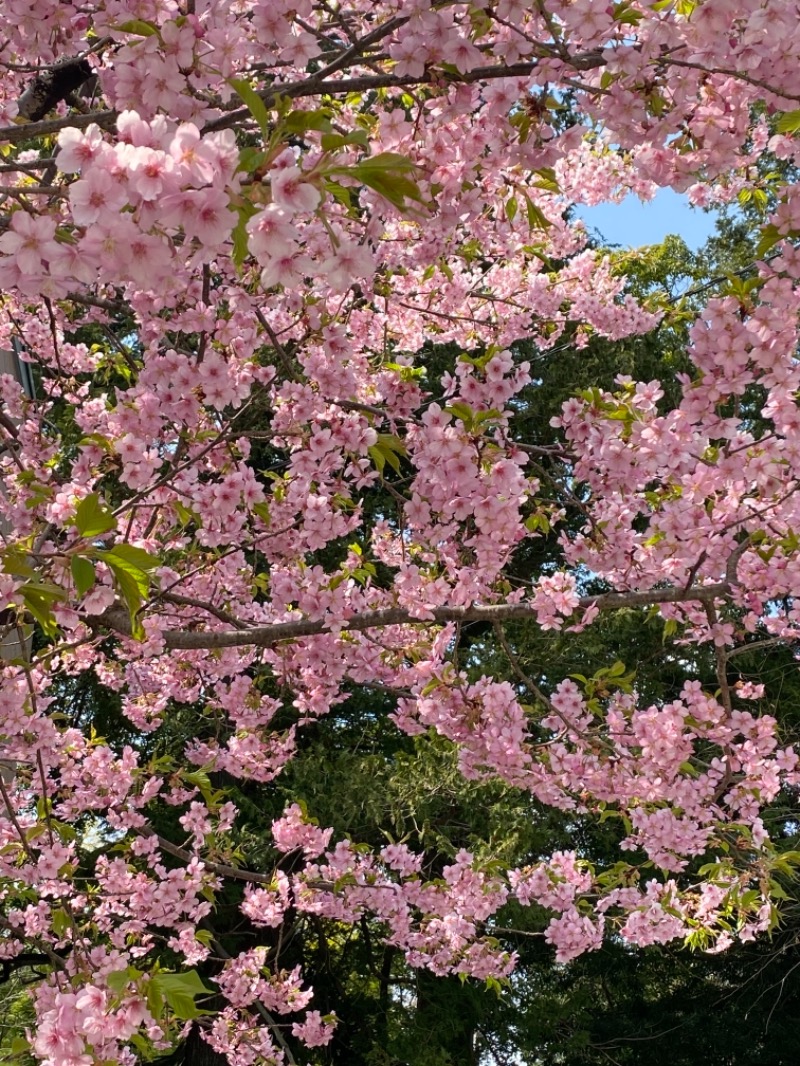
[117, 618]
[312, 86]
[316, 85]
[28, 131]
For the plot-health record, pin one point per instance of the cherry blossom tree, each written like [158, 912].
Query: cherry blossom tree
[237, 230]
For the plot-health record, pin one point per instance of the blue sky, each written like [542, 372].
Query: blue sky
[633, 223]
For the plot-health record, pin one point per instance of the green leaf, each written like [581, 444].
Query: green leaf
[262, 510]
[392, 443]
[777, 891]
[789, 122]
[537, 523]
[99, 440]
[301, 121]
[83, 574]
[390, 447]
[179, 990]
[131, 592]
[185, 516]
[462, 411]
[392, 460]
[15, 561]
[250, 159]
[387, 449]
[393, 161]
[378, 457]
[340, 192]
[769, 238]
[92, 517]
[388, 174]
[492, 415]
[201, 779]
[130, 568]
[241, 248]
[537, 219]
[61, 922]
[155, 1000]
[392, 187]
[119, 980]
[137, 558]
[331, 141]
[625, 14]
[547, 180]
[252, 101]
[137, 26]
[240, 245]
[40, 606]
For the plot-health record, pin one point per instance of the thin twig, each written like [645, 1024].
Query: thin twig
[265, 1014]
[213, 867]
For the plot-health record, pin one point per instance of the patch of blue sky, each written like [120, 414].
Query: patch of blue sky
[632, 223]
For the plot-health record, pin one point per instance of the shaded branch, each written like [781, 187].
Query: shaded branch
[52, 86]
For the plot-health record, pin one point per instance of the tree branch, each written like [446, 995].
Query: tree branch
[26, 131]
[118, 619]
[213, 867]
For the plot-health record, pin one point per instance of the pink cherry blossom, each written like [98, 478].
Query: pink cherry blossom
[291, 192]
[247, 241]
[30, 240]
